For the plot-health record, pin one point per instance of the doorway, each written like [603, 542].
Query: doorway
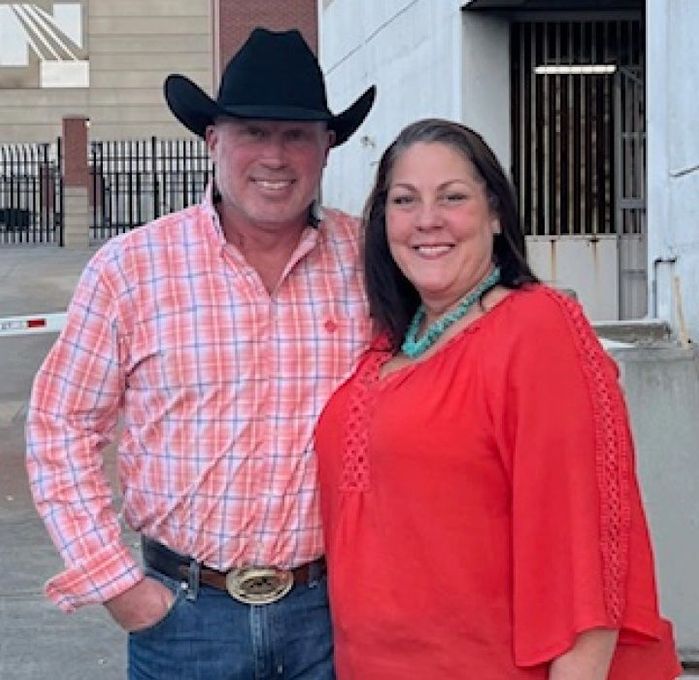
[578, 157]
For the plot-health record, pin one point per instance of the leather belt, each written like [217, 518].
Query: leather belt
[251, 585]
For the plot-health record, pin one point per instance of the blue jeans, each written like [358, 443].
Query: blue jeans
[207, 635]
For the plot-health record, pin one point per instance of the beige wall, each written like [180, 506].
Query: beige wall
[132, 46]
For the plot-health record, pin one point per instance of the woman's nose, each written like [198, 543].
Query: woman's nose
[428, 216]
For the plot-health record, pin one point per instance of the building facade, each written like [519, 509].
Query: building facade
[586, 102]
[107, 61]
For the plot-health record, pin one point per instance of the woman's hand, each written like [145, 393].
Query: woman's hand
[588, 659]
[141, 606]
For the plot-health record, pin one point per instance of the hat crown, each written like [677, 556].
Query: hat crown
[273, 76]
[274, 69]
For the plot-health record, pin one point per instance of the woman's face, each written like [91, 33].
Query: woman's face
[439, 224]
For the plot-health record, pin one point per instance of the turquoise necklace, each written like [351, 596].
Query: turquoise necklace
[413, 347]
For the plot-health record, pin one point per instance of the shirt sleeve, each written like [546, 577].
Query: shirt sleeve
[73, 412]
[576, 507]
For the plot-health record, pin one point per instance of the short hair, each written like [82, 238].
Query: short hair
[393, 300]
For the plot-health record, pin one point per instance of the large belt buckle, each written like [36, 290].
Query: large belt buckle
[258, 585]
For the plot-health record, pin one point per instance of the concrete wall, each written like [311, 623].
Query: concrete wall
[485, 103]
[132, 46]
[673, 161]
[589, 267]
[427, 59]
[415, 51]
[662, 390]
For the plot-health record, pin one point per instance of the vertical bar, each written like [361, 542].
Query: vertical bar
[545, 137]
[182, 167]
[600, 86]
[128, 151]
[534, 134]
[139, 187]
[61, 187]
[3, 174]
[154, 176]
[35, 150]
[575, 141]
[93, 185]
[108, 162]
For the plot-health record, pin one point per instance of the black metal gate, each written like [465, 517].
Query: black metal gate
[578, 130]
[135, 181]
[31, 194]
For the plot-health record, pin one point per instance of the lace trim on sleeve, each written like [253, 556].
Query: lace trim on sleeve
[613, 457]
[355, 467]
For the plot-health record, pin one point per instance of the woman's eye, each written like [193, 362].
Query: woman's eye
[401, 200]
[455, 197]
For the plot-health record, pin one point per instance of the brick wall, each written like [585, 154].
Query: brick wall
[236, 18]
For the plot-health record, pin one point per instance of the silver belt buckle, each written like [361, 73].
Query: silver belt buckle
[258, 585]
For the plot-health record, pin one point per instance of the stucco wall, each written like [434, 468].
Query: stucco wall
[485, 103]
[412, 51]
[132, 46]
[673, 160]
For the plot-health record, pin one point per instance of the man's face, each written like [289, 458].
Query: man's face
[267, 172]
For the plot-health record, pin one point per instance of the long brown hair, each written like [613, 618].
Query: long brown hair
[393, 300]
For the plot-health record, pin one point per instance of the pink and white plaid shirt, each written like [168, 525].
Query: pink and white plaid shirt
[219, 385]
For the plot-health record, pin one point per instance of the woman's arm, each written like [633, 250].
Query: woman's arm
[588, 658]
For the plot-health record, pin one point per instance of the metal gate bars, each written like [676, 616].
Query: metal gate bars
[135, 181]
[31, 193]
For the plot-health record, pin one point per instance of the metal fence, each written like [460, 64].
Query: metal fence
[573, 109]
[31, 193]
[135, 181]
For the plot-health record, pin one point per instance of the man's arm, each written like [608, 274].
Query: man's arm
[72, 415]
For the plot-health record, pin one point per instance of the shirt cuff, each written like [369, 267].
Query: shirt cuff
[99, 578]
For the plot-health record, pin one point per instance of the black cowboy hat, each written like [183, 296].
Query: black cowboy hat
[274, 76]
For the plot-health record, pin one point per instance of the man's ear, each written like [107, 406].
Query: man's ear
[331, 141]
[211, 139]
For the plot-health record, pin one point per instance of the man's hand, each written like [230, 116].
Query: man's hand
[142, 605]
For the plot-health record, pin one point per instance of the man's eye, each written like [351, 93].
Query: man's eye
[254, 133]
[296, 135]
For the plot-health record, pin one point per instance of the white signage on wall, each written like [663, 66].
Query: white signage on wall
[42, 44]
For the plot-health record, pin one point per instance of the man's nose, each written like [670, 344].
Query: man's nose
[274, 152]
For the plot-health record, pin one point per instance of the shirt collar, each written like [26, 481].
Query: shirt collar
[309, 237]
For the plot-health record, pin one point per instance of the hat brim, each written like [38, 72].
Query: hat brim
[196, 110]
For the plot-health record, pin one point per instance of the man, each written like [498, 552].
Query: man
[216, 334]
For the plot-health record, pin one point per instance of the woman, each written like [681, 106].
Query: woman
[482, 515]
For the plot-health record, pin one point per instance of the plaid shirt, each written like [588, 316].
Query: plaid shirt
[218, 384]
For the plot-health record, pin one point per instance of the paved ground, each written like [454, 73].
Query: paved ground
[36, 640]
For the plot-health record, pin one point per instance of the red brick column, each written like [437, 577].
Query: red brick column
[75, 139]
[236, 18]
[76, 182]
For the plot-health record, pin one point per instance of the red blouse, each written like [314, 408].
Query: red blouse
[481, 507]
